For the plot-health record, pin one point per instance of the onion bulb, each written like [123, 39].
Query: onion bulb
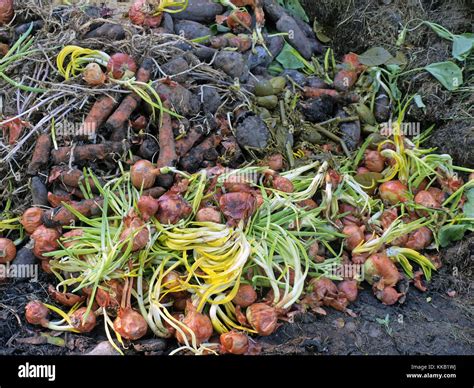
[93, 75]
[262, 318]
[379, 268]
[140, 15]
[355, 236]
[282, 184]
[6, 11]
[393, 192]
[275, 162]
[426, 199]
[31, 219]
[148, 206]
[7, 250]
[234, 342]
[130, 324]
[239, 21]
[198, 323]
[137, 231]
[419, 239]
[121, 66]
[374, 161]
[78, 322]
[245, 296]
[45, 240]
[388, 295]
[37, 313]
[209, 214]
[172, 208]
[143, 173]
[349, 288]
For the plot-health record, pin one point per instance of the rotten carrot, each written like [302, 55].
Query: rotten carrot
[99, 112]
[186, 143]
[40, 154]
[116, 122]
[167, 156]
[88, 152]
[192, 160]
[310, 92]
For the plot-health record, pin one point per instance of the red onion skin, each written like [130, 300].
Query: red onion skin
[46, 240]
[388, 296]
[374, 161]
[283, 184]
[77, 320]
[262, 318]
[349, 288]
[322, 286]
[426, 199]
[138, 15]
[142, 173]
[148, 206]
[245, 296]
[31, 219]
[393, 192]
[234, 342]
[275, 162]
[355, 236]
[121, 65]
[199, 323]
[130, 324]
[419, 239]
[172, 208]
[7, 250]
[209, 214]
[6, 12]
[384, 268]
[36, 313]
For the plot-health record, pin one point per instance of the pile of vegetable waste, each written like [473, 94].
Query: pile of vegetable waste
[205, 171]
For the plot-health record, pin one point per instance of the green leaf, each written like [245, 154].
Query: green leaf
[468, 207]
[450, 233]
[418, 101]
[440, 30]
[319, 31]
[462, 46]
[288, 59]
[375, 56]
[294, 8]
[448, 73]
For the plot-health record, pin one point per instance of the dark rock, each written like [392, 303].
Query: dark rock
[39, 192]
[202, 11]
[260, 57]
[382, 107]
[183, 101]
[211, 100]
[233, 64]
[148, 148]
[350, 132]
[176, 66]
[168, 22]
[297, 37]
[275, 44]
[204, 53]
[191, 30]
[103, 348]
[316, 82]
[295, 75]
[25, 257]
[252, 132]
[107, 31]
[319, 109]
[273, 10]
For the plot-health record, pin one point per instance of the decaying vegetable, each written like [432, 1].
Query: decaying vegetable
[130, 324]
[32, 219]
[45, 240]
[93, 75]
[194, 325]
[7, 250]
[121, 66]
[37, 313]
[234, 342]
[262, 318]
[6, 12]
[378, 268]
[246, 296]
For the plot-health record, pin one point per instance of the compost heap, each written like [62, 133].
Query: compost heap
[206, 170]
